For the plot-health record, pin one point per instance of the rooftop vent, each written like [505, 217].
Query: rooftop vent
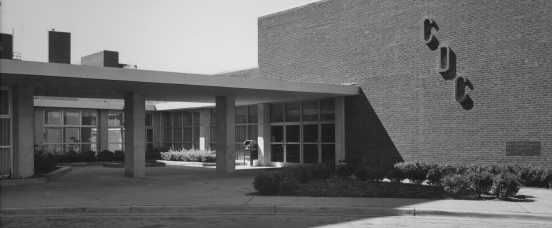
[59, 47]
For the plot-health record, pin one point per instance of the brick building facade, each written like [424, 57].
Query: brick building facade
[408, 109]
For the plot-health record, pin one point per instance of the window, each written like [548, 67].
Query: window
[73, 130]
[5, 133]
[149, 131]
[303, 132]
[246, 128]
[115, 131]
[181, 129]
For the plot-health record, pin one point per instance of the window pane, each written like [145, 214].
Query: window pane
[89, 134]
[149, 135]
[5, 132]
[53, 149]
[52, 135]
[276, 112]
[241, 114]
[53, 117]
[187, 134]
[292, 153]
[292, 133]
[328, 133]
[149, 119]
[89, 117]
[310, 153]
[115, 147]
[114, 135]
[187, 118]
[72, 148]
[252, 116]
[328, 153]
[252, 132]
[277, 153]
[72, 118]
[310, 111]
[178, 133]
[115, 119]
[277, 133]
[72, 135]
[212, 118]
[241, 133]
[178, 119]
[88, 147]
[310, 133]
[4, 102]
[327, 109]
[292, 112]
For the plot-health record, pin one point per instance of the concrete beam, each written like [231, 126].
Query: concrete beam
[226, 134]
[23, 131]
[135, 135]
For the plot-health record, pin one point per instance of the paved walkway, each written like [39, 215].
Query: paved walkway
[200, 191]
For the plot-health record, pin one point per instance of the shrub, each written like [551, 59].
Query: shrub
[480, 180]
[300, 173]
[119, 155]
[532, 176]
[455, 184]
[44, 162]
[548, 178]
[415, 171]
[370, 173]
[321, 171]
[105, 155]
[288, 185]
[395, 175]
[344, 170]
[267, 183]
[89, 156]
[436, 173]
[505, 185]
[189, 155]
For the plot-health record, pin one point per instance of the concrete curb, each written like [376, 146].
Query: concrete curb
[62, 170]
[206, 211]
[58, 172]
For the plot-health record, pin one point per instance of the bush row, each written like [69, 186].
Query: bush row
[189, 155]
[456, 180]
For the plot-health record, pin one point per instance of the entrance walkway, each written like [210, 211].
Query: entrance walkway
[192, 191]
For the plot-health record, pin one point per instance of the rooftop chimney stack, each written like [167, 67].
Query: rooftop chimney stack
[6, 46]
[59, 47]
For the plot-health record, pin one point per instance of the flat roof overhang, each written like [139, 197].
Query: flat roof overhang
[67, 80]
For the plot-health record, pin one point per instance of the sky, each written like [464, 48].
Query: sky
[190, 36]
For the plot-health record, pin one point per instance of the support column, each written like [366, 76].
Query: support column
[135, 135]
[339, 129]
[23, 132]
[103, 130]
[263, 132]
[226, 134]
[204, 129]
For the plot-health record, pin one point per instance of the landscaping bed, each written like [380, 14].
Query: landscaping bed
[406, 180]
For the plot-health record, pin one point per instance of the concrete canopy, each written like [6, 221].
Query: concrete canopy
[66, 80]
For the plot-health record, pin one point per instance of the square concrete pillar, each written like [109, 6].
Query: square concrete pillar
[263, 133]
[23, 132]
[135, 135]
[103, 130]
[339, 129]
[204, 129]
[226, 133]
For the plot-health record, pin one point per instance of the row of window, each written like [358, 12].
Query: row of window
[303, 132]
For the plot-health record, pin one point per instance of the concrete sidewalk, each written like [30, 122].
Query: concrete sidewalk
[187, 190]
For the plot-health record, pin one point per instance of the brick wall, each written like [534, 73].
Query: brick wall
[503, 47]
